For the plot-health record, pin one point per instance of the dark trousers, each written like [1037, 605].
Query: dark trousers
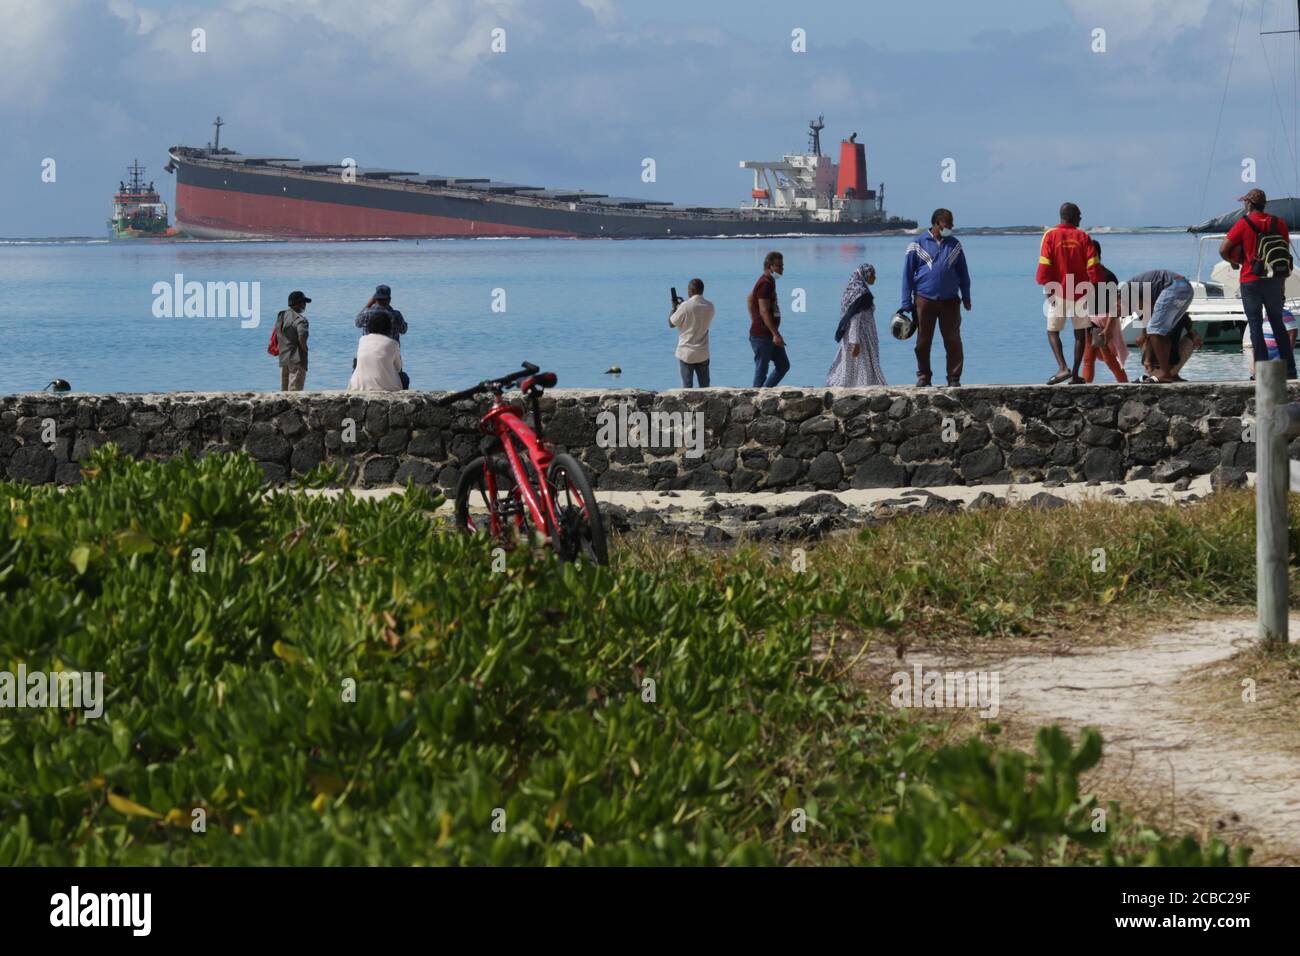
[947, 313]
[765, 354]
[1266, 296]
[700, 370]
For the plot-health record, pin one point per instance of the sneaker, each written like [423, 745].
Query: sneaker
[954, 383]
[922, 381]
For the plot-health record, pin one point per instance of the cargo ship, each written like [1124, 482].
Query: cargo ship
[223, 194]
[138, 210]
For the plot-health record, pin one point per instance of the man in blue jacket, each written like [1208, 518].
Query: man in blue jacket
[935, 280]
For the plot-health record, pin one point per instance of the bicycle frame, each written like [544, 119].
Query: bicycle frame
[504, 422]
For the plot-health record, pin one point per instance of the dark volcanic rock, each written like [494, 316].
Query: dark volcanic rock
[32, 463]
[1045, 500]
[879, 472]
[1168, 471]
[935, 475]
[1228, 477]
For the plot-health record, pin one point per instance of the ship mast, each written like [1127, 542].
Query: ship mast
[215, 145]
[815, 128]
[137, 176]
[1292, 143]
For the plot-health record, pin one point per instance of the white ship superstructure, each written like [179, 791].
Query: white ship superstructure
[815, 186]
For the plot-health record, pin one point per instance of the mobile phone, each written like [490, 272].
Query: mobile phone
[676, 301]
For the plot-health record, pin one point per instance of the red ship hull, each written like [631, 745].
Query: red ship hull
[220, 213]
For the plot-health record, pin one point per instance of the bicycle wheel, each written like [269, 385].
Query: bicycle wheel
[581, 531]
[480, 510]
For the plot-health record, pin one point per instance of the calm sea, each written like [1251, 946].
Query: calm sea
[83, 310]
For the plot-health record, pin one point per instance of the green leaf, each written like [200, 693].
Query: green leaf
[80, 558]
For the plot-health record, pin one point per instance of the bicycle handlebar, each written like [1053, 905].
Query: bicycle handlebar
[489, 385]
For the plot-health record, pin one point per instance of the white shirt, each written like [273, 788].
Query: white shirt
[692, 319]
[379, 359]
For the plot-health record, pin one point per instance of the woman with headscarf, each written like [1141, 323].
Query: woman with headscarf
[857, 363]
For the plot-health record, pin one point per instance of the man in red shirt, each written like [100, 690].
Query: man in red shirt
[1259, 294]
[1068, 269]
[765, 325]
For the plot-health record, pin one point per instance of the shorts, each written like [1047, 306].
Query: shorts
[1170, 307]
[1058, 310]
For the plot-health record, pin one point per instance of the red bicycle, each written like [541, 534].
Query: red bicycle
[519, 485]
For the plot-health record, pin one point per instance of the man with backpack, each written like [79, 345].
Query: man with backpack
[1260, 246]
[289, 343]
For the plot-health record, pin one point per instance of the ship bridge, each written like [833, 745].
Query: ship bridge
[812, 184]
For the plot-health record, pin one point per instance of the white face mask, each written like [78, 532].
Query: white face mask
[945, 233]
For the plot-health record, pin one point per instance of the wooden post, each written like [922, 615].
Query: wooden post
[1272, 480]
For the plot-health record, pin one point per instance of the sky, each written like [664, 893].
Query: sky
[1016, 93]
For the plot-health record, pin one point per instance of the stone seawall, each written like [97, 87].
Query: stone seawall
[752, 439]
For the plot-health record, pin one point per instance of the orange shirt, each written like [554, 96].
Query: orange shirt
[1067, 257]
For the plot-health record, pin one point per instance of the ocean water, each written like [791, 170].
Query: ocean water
[84, 310]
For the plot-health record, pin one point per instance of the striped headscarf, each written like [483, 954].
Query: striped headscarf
[857, 297]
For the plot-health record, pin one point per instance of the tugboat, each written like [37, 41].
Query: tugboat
[138, 210]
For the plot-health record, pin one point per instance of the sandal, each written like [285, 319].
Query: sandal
[1058, 378]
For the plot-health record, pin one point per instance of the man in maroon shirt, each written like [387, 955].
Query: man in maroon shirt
[765, 325]
[1259, 294]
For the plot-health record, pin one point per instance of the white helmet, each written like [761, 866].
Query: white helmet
[903, 325]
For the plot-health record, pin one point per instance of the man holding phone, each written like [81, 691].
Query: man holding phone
[692, 319]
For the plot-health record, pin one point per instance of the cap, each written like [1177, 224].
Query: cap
[1255, 197]
[297, 297]
[383, 292]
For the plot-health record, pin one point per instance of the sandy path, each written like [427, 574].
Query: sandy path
[695, 501]
[1137, 698]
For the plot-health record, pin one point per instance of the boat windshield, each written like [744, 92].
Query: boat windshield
[1216, 237]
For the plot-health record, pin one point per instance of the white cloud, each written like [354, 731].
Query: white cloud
[440, 41]
[143, 19]
[1140, 16]
[602, 10]
[33, 46]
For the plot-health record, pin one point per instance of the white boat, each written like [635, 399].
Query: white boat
[1216, 312]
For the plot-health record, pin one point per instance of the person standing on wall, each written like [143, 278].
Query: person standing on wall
[857, 363]
[1068, 270]
[692, 319]
[1260, 246]
[291, 340]
[765, 325]
[935, 281]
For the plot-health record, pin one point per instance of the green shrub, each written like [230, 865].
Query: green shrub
[228, 624]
